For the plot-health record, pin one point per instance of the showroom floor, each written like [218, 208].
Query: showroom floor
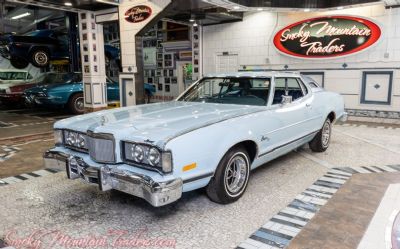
[58, 209]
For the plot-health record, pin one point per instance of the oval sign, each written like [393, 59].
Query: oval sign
[138, 13]
[324, 37]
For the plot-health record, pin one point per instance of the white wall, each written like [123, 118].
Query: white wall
[252, 38]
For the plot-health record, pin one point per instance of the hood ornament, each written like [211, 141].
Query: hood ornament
[103, 120]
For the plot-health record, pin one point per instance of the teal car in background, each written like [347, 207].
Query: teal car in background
[66, 90]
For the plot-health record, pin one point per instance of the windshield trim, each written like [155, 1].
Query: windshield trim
[180, 98]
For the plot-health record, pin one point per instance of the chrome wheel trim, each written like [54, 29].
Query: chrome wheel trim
[326, 134]
[236, 174]
[41, 58]
[79, 104]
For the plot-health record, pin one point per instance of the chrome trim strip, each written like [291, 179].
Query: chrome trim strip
[285, 144]
[291, 125]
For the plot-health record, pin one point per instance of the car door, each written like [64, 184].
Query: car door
[287, 125]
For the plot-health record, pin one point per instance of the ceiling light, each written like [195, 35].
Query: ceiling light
[236, 7]
[195, 24]
[21, 16]
[340, 8]
[68, 4]
[260, 9]
[191, 20]
[307, 10]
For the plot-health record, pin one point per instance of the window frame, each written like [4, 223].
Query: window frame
[301, 84]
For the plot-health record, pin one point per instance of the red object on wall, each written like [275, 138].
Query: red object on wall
[138, 13]
[328, 36]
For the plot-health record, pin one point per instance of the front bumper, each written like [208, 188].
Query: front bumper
[110, 177]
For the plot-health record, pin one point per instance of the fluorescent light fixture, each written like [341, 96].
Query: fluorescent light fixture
[112, 2]
[68, 4]
[236, 7]
[340, 8]
[191, 20]
[195, 24]
[307, 10]
[21, 16]
[260, 9]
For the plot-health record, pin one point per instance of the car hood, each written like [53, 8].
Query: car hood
[157, 123]
[43, 88]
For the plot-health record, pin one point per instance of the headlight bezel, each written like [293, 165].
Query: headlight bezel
[162, 167]
[58, 137]
[84, 148]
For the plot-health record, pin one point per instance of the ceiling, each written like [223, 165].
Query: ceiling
[201, 12]
[74, 5]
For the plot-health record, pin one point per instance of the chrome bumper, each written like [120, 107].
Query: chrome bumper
[111, 177]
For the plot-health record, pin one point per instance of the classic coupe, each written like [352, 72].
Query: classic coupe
[211, 136]
[39, 47]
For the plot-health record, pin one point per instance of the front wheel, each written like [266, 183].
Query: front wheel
[40, 58]
[322, 140]
[19, 63]
[76, 104]
[231, 177]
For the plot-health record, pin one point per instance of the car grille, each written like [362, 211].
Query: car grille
[4, 51]
[101, 148]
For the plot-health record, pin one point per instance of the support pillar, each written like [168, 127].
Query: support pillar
[93, 62]
[133, 17]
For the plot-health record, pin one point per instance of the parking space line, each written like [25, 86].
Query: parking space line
[26, 176]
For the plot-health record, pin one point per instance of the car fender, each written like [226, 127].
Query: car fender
[207, 155]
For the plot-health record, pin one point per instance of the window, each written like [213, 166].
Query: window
[240, 91]
[294, 89]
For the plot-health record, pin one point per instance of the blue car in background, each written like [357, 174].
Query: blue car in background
[66, 90]
[39, 47]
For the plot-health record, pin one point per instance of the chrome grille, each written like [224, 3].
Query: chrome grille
[102, 148]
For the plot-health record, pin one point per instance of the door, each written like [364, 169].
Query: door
[227, 63]
[183, 77]
[290, 124]
[112, 91]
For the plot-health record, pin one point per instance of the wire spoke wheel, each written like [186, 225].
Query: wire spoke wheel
[236, 174]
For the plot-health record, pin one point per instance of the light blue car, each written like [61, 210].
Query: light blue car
[66, 90]
[212, 136]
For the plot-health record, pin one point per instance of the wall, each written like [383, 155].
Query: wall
[251, 40]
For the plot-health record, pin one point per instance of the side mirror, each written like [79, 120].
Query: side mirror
[286, 99]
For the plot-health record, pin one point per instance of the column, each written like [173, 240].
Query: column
[93, 62]
[133, 17]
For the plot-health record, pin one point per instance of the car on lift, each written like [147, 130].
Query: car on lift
[211, 136]
[66, 90]
[12, 84]
[39, 47]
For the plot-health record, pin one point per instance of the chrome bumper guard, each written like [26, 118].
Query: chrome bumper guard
[111, 177]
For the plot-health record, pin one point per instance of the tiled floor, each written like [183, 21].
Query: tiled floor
[342, 222]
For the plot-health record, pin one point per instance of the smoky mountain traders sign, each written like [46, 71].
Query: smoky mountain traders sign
[138, 13]
[325, 37]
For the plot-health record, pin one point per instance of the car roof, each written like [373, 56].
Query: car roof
[254, 74]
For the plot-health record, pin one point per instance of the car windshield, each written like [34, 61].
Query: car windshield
[12, 75]
[39, 33]
[57, 78]
[230, 90]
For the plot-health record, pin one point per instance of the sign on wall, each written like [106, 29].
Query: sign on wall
[325, 37]
[138, 13]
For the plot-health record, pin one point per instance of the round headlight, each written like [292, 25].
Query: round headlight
[81, 141]
[138, 153]
[71, 138]
[154, 157]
